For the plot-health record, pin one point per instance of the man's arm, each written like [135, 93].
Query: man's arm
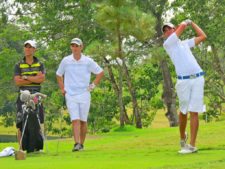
[20, 81]
[201, 36]
[98, 78]
[60, 81]
[26, 80]
[39, 78]
[180, 29]
[96, 81]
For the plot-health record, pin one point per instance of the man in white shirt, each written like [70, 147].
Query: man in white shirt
[73, 76]
[190, 83]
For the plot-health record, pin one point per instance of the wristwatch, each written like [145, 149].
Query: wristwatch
[24, 77]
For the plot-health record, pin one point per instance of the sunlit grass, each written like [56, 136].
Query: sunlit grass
[129, 148]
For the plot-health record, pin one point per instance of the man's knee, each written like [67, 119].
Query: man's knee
[19, 126]
[76, 122]
[194, 114]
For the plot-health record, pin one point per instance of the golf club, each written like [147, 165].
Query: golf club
[60, 123]
[152, 41]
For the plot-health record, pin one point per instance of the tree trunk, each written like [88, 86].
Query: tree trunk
[169, 96]
[118, 92]
[132, 91]
[217, 63]
[120, 55]
[123, 116]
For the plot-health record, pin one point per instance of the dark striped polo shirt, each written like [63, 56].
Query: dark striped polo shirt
[24, 69]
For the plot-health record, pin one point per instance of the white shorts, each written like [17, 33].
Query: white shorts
[190, 93]
[78, 106]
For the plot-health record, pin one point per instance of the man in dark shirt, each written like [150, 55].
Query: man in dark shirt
[29, 74]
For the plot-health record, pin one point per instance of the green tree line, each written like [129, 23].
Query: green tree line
[121, 35]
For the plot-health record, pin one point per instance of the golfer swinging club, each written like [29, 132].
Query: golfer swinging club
[190, 80]
[73, 76]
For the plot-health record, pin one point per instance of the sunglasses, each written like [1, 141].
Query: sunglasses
[28, 46]
[75, 45]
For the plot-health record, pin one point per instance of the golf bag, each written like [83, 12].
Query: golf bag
[32, 138]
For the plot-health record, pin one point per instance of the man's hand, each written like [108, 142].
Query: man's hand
[24, 77]
[38, 78]
[63, 92]
[91, 87]
[188, 21]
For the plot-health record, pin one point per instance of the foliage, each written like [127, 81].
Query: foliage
[126, 15]
[99, 23]
[103, 109]
[10, 53]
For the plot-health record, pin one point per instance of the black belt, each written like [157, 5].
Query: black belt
[191, 76]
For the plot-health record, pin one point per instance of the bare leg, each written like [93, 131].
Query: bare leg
[182, 125]
[83, 131]
[194, 124]
[76, 130]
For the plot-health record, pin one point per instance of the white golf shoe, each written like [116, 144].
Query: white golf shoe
[188, 149]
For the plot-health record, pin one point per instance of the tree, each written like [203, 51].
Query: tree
[123, 19]
[101, 51]
[10, 53]
[66, 20]
[159, 8]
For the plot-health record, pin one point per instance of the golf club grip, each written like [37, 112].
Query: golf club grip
[64, 102]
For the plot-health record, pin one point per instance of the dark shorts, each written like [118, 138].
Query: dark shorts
[19, 114]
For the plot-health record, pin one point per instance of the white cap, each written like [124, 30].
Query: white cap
[31, 42]
[76, 41]
[167, 24]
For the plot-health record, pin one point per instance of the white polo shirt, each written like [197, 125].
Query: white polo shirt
[77, 74]
[181, 55]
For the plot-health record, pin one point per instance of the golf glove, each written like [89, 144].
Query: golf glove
[91, 87]
[188, 21]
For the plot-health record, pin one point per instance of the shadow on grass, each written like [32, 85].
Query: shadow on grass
[222, 147]
[127, 128]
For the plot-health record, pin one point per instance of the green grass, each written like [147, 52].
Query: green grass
[129, 148]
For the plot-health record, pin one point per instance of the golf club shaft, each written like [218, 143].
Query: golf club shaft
[23, 132]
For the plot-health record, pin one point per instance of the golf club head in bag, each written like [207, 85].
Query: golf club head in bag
[25, 95]
[31, 100]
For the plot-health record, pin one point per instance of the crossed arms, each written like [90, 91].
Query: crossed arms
[20, 80]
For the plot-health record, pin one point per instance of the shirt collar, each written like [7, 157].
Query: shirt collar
[81, 58]
[35, 59]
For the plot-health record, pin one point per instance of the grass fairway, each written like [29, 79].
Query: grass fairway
[153, 148]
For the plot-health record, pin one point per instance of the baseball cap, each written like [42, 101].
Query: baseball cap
[31, 42]
[76, 41]
[167, 24]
